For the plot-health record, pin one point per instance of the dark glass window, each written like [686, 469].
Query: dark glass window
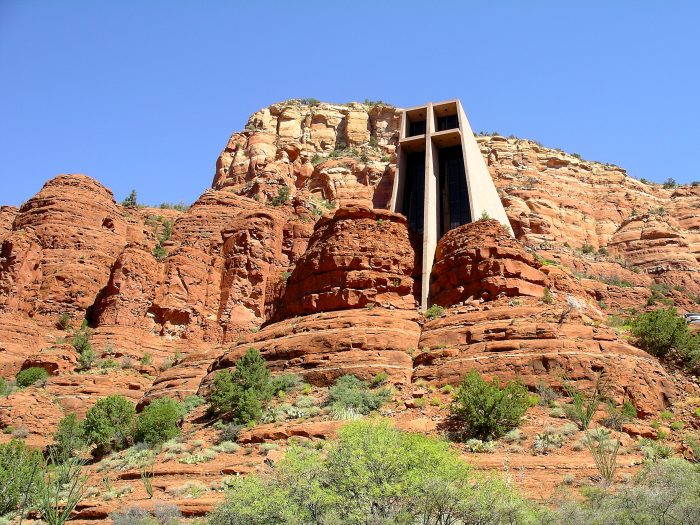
[416, 128]
[448, 122]
[414, 190]
[454, 196]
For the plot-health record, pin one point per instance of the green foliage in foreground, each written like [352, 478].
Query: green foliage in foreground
[663, 493]
[373, 474]
[487, 409]
[18, 474]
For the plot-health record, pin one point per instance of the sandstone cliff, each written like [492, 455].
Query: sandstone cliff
[292, 251]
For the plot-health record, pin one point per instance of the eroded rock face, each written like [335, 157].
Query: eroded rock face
[540, 343]
[62, 245]
[293, 252]
[358, 258]
[554, 197]
[481, 260]
[324, 346]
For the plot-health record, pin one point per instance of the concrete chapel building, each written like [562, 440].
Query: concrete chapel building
[442, 180]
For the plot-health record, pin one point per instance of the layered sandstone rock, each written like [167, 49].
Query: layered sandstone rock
[552, 197]
[481, 260]
[360, 257]
[324, 346]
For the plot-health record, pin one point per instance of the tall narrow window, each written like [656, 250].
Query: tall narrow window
[454, 196]
[414, 192]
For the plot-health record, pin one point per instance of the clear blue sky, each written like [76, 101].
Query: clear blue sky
[144, 94]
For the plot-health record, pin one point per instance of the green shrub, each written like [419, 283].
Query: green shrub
[69, 437]
[81, 339]
[282, 197]
[583, 406]
[18, 475]
[30, 376]
[286, 382]
[5, 387]
[146, 359]
[587, 248]
[434, 311]
[64, 321]
[242, 395]
[373, 474]
[379, 379]
[86, 359]
[158, 422]
[191, 402]
[547, 298]
[663, 330]
[350, 396]
[662, 493]
[108, 423]
[487, 409]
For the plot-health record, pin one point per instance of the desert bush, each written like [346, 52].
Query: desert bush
[191, 402]
[657, 332]
[546, 441]
[548, 297]
[547, 394]
[30, 376]
[159, 422]
[282, 196]
[350, 395]
[487, 409]
[6, 387]
[661, 494]
[286, 382]
[373, 474]
[86, 359]
[618, 416]
[64, 321]
[59, 490]
[69, 437]
[434, 311]
[19, 473]
[583, 405]
[108, 423]
[81, 339]
[242, 395]
[230, 432]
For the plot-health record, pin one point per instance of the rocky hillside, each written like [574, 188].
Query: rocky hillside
[293, 252]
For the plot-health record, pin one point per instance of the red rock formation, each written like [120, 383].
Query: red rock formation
[481, 260]
[360, 257]
[322, 347]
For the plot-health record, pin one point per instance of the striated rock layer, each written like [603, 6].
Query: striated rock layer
[294, 252]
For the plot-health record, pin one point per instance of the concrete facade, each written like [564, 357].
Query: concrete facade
[416, 137]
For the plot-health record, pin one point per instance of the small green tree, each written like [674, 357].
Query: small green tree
[487, 409]
[282, 196]
[81, 339]
[662, 330]
[108, 423]
[159, 422]
[130, 201]
[68, 438]
[242, 394]
[30, 376]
